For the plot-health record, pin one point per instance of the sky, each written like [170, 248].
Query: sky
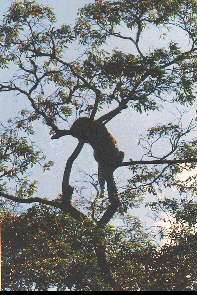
[126, 127]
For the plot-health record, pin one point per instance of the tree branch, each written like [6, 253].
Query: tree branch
[107, 117]
[59, 133]
[30, 200]
[159, 162]
[13, 87]
[67, 190]
[96, 104]
[76, 214]
[100, 251]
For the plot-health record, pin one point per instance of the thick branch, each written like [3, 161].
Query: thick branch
[29, 200]
[76, 214]
[104, 264]
[159, 162]
[107, 117]
[60, 133]
[67, 190]
[96, 104]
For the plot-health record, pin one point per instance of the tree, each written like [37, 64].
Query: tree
[34, 48]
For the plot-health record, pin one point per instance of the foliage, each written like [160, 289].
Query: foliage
[47, 249]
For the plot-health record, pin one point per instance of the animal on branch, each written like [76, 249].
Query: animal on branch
[106, 152]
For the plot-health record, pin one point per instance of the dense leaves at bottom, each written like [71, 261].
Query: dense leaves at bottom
[44, 248]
